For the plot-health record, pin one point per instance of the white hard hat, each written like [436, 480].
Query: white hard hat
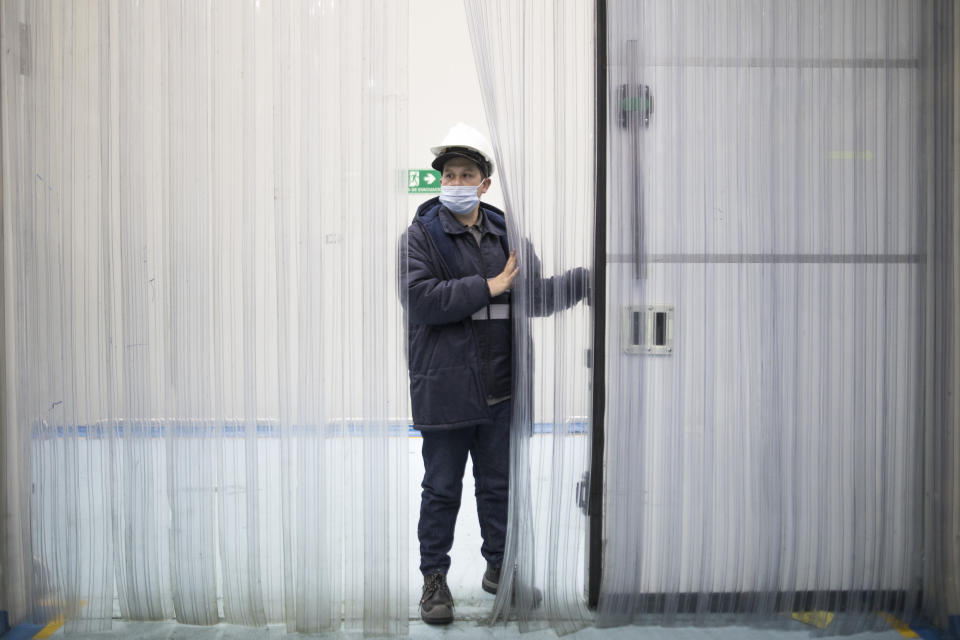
[466, 142]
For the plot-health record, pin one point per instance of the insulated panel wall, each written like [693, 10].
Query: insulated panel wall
[768, 192]
[776, 446]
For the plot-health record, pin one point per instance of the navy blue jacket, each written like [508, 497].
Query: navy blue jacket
[457, 364]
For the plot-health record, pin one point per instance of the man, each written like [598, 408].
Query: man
[457, 273]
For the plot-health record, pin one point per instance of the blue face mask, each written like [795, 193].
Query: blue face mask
[459, 200]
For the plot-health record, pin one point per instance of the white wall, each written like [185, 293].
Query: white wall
[444, 86]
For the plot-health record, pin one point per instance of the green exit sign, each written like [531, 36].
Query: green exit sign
[423, 181]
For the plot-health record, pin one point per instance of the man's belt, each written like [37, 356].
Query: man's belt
[493, 312]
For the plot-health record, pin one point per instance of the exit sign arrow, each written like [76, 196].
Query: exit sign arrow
[423, 181]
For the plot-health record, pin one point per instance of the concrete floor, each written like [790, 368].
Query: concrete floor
[473, 604]
[473, 630]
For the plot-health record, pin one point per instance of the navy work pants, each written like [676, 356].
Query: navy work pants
[444, 461]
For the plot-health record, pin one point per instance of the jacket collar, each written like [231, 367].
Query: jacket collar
[453, 227]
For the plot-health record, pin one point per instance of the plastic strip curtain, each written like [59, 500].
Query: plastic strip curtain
[941, 586]
[768, 292]
[202, 201]
[536, 71]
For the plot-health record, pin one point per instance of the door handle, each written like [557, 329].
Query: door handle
[636, 106]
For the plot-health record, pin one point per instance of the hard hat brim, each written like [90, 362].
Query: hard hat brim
[461, 152]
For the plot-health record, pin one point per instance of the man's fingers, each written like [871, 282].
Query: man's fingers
[504, 281]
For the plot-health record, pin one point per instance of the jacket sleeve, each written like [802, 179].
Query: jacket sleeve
[549, 295]
[427, 297]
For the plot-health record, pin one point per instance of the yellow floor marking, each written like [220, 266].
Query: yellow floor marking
[900, 626]
[51, 628]
[818, 619]
[54, 625]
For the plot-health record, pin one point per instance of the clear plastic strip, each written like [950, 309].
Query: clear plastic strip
[535, 61]
[208, 357]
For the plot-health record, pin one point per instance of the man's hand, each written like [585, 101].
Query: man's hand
[505, 280]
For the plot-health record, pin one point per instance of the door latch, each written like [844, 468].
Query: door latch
[648, 329]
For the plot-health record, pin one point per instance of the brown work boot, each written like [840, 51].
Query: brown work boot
[491, 582]
[491, 579]
[436, 605]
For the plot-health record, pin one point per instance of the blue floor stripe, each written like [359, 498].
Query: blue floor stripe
[578, 428]
[23, 632]
[927, 631]
[155, 429]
